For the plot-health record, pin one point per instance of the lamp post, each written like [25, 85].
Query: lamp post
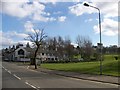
[85, 4]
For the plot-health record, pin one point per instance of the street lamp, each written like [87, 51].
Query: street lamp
[85, 4]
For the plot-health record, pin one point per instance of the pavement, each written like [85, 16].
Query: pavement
[98, 78]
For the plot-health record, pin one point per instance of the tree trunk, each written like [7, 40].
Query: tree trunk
[35, 57]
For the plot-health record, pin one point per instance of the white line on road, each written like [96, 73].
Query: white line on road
[31, 85]
[9, 72]
[17, 77]
[28, 67]
[2, 67]
[5, 69]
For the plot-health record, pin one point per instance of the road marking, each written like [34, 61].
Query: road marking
[2, 67]
[31, 85]
[28, 67]
[31, 69]
[9, 72]
[17, 77]
[5, 69]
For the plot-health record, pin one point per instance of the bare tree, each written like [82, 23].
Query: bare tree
[80, 42]
[52, 43]
[85, 46]
[37, 39]
[60, 47]
[68, 47]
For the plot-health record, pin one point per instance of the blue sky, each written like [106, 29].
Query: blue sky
[59, 18]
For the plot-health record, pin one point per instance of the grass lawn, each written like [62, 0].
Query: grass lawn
[110, 66]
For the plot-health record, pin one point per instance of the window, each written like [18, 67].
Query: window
[43, 54]
[21, 52]
[52, 59]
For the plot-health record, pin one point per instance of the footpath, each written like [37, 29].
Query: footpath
[98, 78]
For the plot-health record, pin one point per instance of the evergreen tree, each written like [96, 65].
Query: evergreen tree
[28, 45]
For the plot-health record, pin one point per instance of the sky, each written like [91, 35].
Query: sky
[59, 18]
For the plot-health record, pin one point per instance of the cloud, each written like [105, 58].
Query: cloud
[104, 1]
[89, 20]
[29, 26]
[5, 41]
[109, 27]
[9, 38]
[109, 9]
[33, 10]
[50, 1]
[14, 34]
[62, 18]
[55, 1]
[38, 17]
[18, 9]
[79, 9]
[14, 1]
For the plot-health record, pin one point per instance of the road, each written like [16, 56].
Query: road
[19, 76]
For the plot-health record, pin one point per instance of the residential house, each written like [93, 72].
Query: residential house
[19, 53]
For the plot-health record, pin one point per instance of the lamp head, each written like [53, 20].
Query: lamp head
[85, 4]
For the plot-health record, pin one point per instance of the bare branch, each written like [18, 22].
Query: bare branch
[37, 39]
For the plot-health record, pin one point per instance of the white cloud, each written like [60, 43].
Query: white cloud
[34, 10]
[110, 33]
[38, 17]
[79, 9]
[109, 9]
[104, 0]
[14, 0]
[55, 1]
[49, 1]
[14, 34]
[89, 20]
[5, 41]
[18, 9]
[109, 27]
[29, 26]
[19, 35]
[52, 19]
[9, 38]
[62, 18]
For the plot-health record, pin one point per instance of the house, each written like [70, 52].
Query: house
[19, 53]
[46, 55]
[22, 54]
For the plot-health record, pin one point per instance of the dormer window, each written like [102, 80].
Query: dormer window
[21, 52]
[42, 54]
